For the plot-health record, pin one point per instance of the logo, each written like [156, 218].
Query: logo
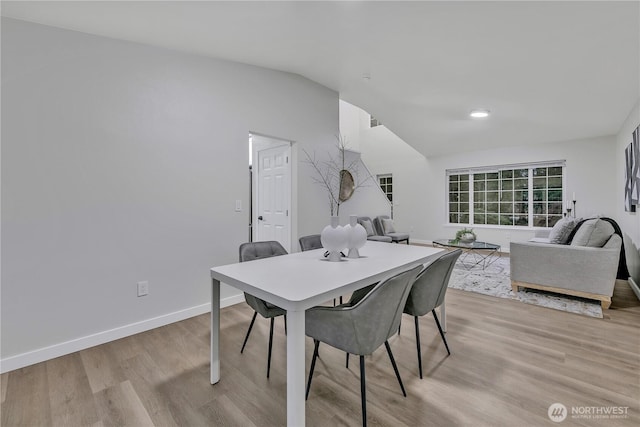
[557, 412]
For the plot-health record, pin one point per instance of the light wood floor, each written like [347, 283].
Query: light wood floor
[509, 362]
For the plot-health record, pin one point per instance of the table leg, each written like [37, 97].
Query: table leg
[215, 331]
[295, 368]
[443, 316]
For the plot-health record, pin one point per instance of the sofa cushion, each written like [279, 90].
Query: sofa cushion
[593, 233]
[562, 229]
[387, 225]
[368, 226]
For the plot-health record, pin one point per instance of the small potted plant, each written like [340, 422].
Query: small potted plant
[466, 235]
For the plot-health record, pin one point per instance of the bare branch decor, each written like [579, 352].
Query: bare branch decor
[339, 177]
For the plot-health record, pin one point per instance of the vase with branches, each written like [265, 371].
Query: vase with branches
[339, 177]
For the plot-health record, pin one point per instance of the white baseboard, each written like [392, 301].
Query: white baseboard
[46, 353]
[634, 287]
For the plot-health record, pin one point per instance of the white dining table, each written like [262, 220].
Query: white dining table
[299, 281]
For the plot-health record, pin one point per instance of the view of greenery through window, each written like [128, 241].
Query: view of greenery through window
[526, 196]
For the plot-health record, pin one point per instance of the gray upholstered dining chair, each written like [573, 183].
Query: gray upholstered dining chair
[428, 292]
[362, 328]
[256, 250]
[308, 243]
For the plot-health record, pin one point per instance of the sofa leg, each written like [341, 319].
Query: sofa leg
[605, 304]
[515, 288]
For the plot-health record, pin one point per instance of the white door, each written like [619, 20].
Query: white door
[272, 214]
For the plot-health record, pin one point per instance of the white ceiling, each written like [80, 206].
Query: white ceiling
[548, 71]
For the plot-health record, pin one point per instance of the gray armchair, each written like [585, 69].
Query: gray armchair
[362, 328]
[396, 237]
[249, 252]
[428, 292]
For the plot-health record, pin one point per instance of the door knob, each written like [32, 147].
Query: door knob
[260, 218]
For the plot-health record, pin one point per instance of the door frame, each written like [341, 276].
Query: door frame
[262, 142]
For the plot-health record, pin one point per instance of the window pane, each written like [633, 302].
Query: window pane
[479, 197]
[555, 182]
[506, 196]
[556, 171]
[492, 175]
[464, 197]
[520, 196]
[539, 208]
[521, 220]
[453, 207]
[539, 220]
[464, 186]
[480, 176]
[464, 177]
[555, 195]
[478, 185]
[521, 184]
[492, 196]
[555, 208]
[464, 218]
[553, 220]
[507, 184]
[492, 207]
[540, 172]
[453, 197]
[479, 218]
[539, 195]
[453, 218]
[507, 174]
[492, 185]
[492, 219]
[464, 207]
[539, 182]
[506, 208]
[521, 173]
[506, 220]
[521, 208]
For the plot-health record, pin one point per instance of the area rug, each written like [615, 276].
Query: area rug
[495, 281]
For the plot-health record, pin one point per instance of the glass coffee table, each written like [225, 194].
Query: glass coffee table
[474, 254]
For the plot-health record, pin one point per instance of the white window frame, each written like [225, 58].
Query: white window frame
[497, 168]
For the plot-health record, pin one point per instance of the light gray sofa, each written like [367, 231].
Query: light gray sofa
[583, 271]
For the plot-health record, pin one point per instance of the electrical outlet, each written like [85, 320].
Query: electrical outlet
[143, 288]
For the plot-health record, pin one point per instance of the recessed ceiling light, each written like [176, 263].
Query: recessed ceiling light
[479, 114]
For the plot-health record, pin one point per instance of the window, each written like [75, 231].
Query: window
[515, 195]
[374, 122]
[386, 185]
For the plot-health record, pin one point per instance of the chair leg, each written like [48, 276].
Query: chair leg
[435, 317]
[418, 345]
[395, 367]
[347, 364]
[363, 392]
[399, 326]
[313, 366]
[285, 324]
[255, 313]
[270, 345]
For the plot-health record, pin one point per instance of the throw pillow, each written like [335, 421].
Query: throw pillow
[593, 233]
[387, 224]
[560, 232]
[368, 226]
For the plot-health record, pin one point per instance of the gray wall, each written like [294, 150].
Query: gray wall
[629, 221]
[121, 163]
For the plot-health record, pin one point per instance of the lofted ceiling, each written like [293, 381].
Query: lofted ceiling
[548, 71]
